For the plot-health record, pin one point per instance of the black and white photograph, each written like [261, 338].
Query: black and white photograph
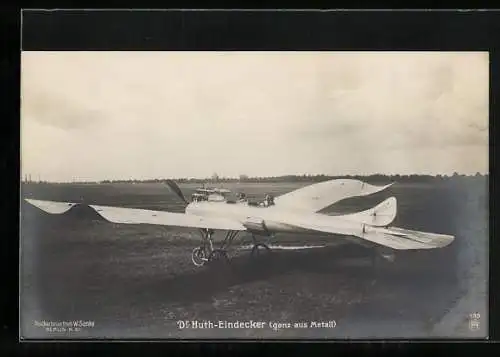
[254, 195]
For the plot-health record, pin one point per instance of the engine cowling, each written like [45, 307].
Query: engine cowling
[256, 225]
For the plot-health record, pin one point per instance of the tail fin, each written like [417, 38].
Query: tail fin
[381, 215]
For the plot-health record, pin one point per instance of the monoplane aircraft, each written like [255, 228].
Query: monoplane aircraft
[295, 212]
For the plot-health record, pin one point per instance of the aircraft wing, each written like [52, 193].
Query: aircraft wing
[143, 216]
[315, 197]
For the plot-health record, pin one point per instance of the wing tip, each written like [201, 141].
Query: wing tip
[51, 207]
[384, 187]
[446, 240]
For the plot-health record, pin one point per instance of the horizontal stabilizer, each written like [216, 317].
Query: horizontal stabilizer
[392, 237]
[382, 214]
[435, 239]
[405, 239]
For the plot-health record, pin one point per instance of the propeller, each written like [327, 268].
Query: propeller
[175, 189]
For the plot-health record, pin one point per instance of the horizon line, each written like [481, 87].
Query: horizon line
[253, 178]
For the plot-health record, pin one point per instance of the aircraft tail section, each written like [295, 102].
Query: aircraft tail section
[381, 215]
[404, 239]
[366, 233]
[316, 197]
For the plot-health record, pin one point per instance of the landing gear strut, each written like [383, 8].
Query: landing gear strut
[218, 256]
[259, 249]
[200, 255]
[206, 253]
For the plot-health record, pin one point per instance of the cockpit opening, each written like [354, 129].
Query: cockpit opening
[227, 196]
[211, 195]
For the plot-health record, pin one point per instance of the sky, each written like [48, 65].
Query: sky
[143, 115]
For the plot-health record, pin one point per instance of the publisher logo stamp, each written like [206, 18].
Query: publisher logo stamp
[474, 321]
[73, 326]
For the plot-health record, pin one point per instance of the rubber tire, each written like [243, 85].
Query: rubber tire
[217, 257]
[255, 250]
[195, 253]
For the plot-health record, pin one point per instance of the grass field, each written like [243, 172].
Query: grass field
[137, 281]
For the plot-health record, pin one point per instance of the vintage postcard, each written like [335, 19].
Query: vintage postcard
[259, 195]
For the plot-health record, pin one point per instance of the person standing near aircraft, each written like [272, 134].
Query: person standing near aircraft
[242, 197]
[269, 200]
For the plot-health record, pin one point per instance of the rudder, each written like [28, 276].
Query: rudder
[381, 215]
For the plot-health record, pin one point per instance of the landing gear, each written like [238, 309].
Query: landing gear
[206, 253]
[198, 256]
[201, 254]
[259, 250]
[218, 256]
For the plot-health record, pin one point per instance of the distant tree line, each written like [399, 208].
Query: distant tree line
[298, 178]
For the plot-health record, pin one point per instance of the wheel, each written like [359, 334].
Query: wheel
[260, 249]
[198, 256]
[260, 257]
[218, 256]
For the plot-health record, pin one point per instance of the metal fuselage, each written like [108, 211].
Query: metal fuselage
[271, 219]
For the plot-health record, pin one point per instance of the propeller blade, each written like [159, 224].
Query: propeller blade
[175, 188]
